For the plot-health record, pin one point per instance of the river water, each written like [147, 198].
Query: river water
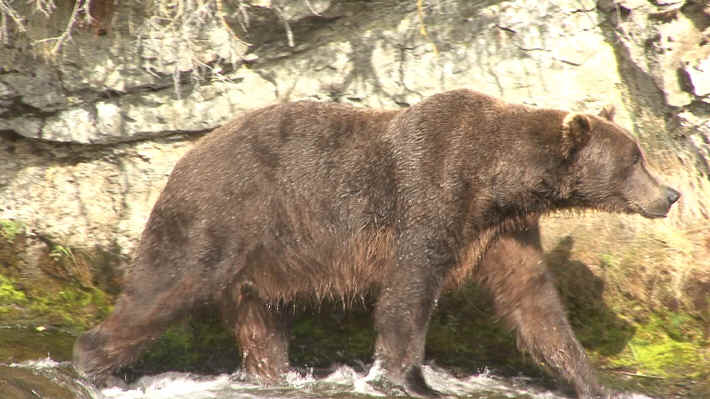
[46, 378]
[34, 378]
[35, 364]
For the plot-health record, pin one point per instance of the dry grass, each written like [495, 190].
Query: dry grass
[654, 277]
[651, 264]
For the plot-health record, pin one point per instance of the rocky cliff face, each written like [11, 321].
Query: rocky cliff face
[91, 126]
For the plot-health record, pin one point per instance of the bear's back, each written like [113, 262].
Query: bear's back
[327, 158]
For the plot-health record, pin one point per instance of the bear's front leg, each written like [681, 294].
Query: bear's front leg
[524, 295]
[402, 315]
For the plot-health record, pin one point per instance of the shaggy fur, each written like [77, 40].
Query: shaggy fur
[324, 200]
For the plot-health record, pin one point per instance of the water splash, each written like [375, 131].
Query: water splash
[40, 364]
[171, 385]
[342, 383]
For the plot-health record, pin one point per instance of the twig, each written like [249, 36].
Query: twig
[310, 7]
[422, 27]
[46, 7]
[289, 32]
[505, 28]
[7, 11]
[221, 15]
[79, 6]
[66, 35]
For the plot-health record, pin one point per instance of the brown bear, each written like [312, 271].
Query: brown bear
[314, 200]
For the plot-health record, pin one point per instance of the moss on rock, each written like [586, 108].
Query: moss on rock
[624, 304]
[9, 295]
[636, 292]
[199, 344]
[47, 284]
[666, 345]
[72, 308]
[466, 334]
[9, 229]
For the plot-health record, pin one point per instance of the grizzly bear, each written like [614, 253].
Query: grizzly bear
[315, 200]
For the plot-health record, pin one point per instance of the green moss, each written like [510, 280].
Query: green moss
[9, 229]
[465, 333]
[199, 344]
[58, 289]
[628, 308]
[666, 357]
[607, 261]
[331, 335]
[621, 305]
[669, 345]
[9, 295]
[175, 347]
[73, 307]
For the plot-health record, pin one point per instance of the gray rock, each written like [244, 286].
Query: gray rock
[699, 76]
[87, 140]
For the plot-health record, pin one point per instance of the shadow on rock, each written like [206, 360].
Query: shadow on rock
[597, 326]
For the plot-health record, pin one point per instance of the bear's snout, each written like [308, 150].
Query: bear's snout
[672, 196]
[662, 205]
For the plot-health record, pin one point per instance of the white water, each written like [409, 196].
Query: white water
[343, 383]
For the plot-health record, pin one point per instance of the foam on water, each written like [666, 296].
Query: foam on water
[171, 385]
[343, 382]
[46, 363]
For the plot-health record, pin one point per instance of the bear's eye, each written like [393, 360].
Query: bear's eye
[635, 157]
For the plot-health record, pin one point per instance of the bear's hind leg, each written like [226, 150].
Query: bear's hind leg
[525, 296]
[118, 340]
[262, 332]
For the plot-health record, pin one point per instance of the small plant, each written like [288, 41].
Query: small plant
[9, 229]
[75, 263]
[608, 261]
[60, 252]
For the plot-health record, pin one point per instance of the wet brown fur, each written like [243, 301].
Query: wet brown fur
[314, 200]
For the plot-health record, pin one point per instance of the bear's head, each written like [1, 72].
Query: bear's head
[608, 170]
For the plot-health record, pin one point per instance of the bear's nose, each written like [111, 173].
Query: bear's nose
[672, 195]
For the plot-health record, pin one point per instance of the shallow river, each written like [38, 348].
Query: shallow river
[47, 378]
[36, 365]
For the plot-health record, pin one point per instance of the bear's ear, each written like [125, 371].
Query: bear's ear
[576, 130]
[608, 112]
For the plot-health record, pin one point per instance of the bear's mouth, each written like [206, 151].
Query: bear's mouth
[653, 215]
[649, 213]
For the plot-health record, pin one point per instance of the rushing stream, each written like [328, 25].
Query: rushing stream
[36, 365]
[49, 379]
